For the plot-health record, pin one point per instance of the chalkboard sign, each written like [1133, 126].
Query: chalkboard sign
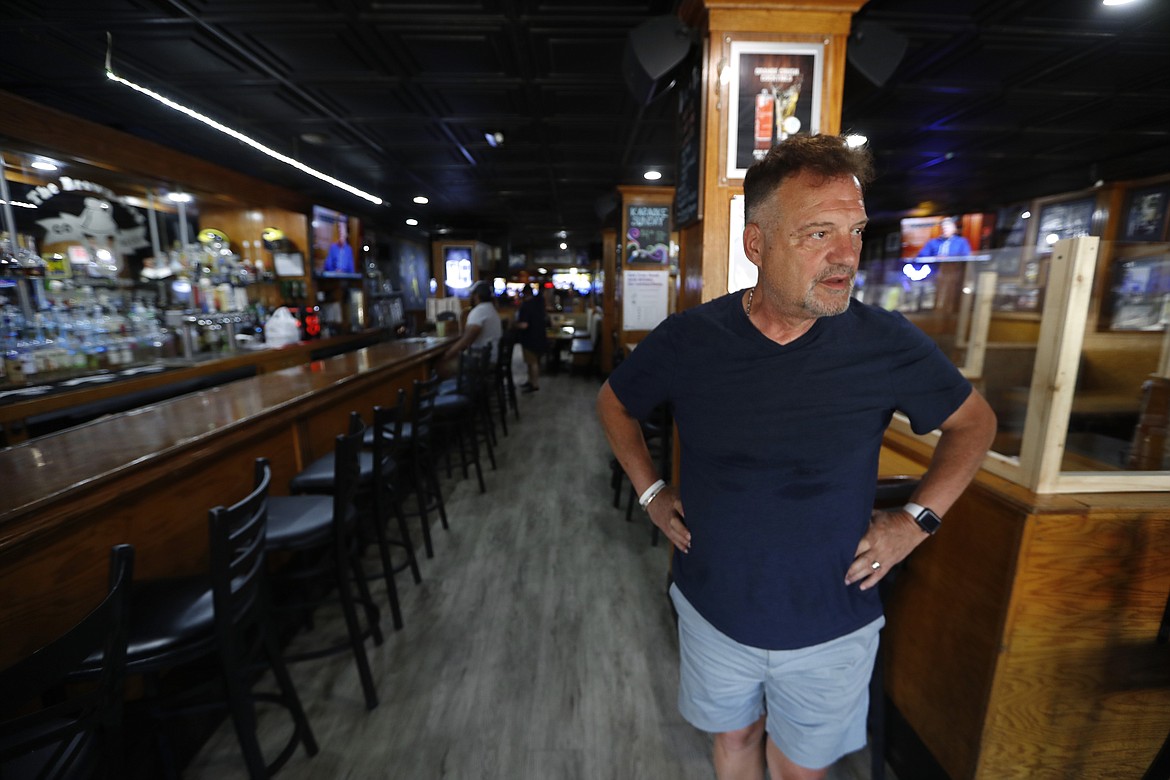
[647, 234]
[686, 195]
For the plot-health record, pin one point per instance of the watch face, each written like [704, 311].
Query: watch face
[928, 521]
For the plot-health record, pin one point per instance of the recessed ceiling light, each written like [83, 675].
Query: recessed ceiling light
[564, 246]
[412, 221]
[855, 140]
[494, 139]
[44, 165]
[179, 197]
[1026, 215]
[421, 200]
[652, 175]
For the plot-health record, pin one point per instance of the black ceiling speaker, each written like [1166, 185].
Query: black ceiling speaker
[656, 51]
[875, 50]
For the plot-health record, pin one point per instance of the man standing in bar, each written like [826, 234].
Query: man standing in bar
[781, 394]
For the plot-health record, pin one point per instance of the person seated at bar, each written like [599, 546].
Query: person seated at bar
[483, 323]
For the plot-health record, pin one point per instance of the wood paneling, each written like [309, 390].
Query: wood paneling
[1020, 641]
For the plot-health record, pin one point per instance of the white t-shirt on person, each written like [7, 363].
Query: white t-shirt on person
[488, 319]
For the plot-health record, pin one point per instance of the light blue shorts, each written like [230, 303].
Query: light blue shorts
[816, 698]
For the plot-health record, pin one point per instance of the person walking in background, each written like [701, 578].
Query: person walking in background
[532, 321]
[781, 395]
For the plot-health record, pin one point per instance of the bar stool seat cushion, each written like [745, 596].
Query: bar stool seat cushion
[318, 476]
[451, 404]
[298, 521]
[165, 616]
[448, 386]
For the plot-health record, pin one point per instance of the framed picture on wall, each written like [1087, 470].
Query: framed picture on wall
[1145, 214]
[894, 244]
[774, 92]
[1064, 219]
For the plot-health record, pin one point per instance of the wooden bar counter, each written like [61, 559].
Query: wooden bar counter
[1021, 639]
[149, 476]
[14, 415]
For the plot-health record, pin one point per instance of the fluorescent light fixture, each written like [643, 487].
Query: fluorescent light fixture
[412, 221]
[19, 203]
[300, 166]
[652, 175]
[421, 200]
[1116, 2]
[44, 165]
[855, 140]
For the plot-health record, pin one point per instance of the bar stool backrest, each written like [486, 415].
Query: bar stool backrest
[81, 735]
[239, 587]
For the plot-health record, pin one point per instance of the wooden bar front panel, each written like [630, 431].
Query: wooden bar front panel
[1020, 639]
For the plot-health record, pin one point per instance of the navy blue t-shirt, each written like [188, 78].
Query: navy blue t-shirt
[780, 452]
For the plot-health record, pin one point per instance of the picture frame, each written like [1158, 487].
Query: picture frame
[894, 244]
[1064, 219]
[1144, 218]
[288, 264]
[775, 90]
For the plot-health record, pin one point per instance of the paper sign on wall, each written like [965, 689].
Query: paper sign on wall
[644, 299]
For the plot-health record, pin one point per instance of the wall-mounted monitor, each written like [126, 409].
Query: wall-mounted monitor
[333, 254]
[941, 239]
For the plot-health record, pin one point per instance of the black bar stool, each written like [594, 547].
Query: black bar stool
[505, 383]
[80, 735]
[223, 615]
[458, 411]
[418, 461]
[321, 531]
[376, 470]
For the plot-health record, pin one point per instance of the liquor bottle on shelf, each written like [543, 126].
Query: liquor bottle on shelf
[765, 125]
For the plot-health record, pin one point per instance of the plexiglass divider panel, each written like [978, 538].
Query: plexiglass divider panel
[1093, 397]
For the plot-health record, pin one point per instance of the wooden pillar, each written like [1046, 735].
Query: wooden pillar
[763, 33]
[609, 321]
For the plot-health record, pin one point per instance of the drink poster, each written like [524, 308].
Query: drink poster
[775, 92]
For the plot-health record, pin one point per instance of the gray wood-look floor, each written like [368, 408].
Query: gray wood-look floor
[539, 644]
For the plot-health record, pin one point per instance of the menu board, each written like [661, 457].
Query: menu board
[644, 299]
[686, 194]
[647, 234]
